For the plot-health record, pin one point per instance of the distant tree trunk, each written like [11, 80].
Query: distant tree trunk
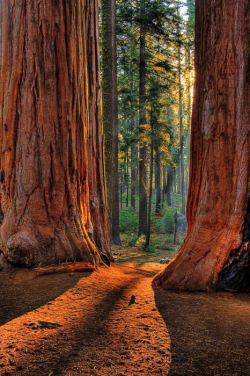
[45, 93]
[216, 251]
[110, 112]
[157, 180]
[121, 186]
[134, 160]
[169, 187]
[181, 114]
[174, 181]
[127, 179]
[178, 178]
[151, 171]
[175, 227]
[142, 144]
[164, 183]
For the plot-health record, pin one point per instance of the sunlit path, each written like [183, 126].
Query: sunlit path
[113, 323]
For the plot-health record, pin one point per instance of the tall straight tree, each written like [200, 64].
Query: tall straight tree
[181, 114]
[110, 112]
[216, 251]
[142, 122]
[48, 87]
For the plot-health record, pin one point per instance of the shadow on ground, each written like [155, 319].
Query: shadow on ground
[22, 291]
[85, 343]
[210, 333]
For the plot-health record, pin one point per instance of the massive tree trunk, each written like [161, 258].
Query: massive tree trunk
[142, 143]
[216, 251]
[44, 132]
[110, 112]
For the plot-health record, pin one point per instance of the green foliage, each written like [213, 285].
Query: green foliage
[128, 220]
[168, 219]
[169, 32]
[176, 200]
[150, 248]
[141, 241]
[132, 240]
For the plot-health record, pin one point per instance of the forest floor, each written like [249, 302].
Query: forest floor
[112, 322]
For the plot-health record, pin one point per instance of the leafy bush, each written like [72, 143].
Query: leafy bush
[128, 220]
[176, 200]
[132, 240]
[141, 241]
[168, 219]
[150, 248]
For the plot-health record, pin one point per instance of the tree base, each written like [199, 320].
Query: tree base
[185, 272]
[235, 275]
[28, 248]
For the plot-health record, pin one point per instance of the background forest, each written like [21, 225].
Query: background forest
[147, 75]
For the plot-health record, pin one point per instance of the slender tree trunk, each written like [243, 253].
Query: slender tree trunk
[127, 179]
[134, 160]
[45, 85]
[164, 183]
[178, 178]
[151, 172]
[175, 227]
[157, 180]
[121, 186]
[216, 250]
[110, 113]
[181, 114]
[174, 181]
[169, 187]
[142, 145]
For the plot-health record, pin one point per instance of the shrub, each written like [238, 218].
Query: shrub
[150, 248]
[168, 219]
[128, 220]
[132, 240]
[141, 241]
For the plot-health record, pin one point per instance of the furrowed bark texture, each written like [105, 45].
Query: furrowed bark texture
[45, 129]
[98, 199]
[215, 253]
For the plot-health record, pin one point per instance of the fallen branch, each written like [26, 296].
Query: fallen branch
[66, 268]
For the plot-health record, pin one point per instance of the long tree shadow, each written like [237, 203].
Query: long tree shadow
[87, 338]
[210, 333]
[22, 291]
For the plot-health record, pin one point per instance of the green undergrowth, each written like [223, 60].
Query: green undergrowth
[162, 226]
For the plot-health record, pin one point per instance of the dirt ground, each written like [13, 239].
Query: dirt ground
[112, 322]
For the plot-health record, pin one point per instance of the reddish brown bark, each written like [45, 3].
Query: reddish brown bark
[216, 251]
[98, 198]
[45, 129]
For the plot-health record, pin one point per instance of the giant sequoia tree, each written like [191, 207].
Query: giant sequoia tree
[216, 252]
[52, 177]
